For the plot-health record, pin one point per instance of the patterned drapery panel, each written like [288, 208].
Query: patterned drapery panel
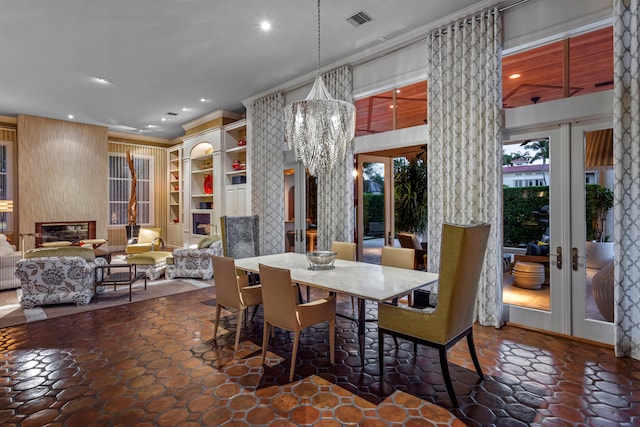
[626, 152]
[335, 191]
[464, 166]
[267, 165]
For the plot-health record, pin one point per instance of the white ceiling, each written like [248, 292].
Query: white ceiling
[162, 55]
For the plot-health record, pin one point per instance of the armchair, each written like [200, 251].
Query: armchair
[194, 262]
[461, 261]
[57, 275]
[410, 241]
[232, 292]
[148, 240]
[279, 298]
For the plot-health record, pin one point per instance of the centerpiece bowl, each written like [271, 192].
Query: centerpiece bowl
[321, 260]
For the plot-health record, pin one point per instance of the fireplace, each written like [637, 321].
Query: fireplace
[70, 231]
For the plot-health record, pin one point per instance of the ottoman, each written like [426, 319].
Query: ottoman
[152, 263]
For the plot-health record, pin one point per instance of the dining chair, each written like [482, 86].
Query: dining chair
[397, 257]
[461, 260]
[400, 258]
[410, 240]
[345, 251]
[281, 310]
[232, 292]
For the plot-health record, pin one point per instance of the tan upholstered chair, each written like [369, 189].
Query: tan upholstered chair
[148, 240]
[347, 252]
[410, 241]
[281, 309]
[232, 292]
[397, 257]
[461, 260]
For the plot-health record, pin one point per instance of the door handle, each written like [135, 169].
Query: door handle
[559, 257]
[574, 259]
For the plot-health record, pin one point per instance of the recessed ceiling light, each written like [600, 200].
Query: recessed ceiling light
[514, 76]
[186, 109]
[70, 116]
[151, 126]
[164, 119]
[102, 80]
[204, 100]
[265, 25]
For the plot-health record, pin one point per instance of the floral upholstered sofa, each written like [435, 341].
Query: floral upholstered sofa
[195, 262]
[57, 275]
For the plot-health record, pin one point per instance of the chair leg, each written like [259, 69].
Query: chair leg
[238, 327]
[444, 366]
[217, 321]
[332, 340]
[294, 352]
[265, 340]
[380, 352]
[255, 310]
[474, 356]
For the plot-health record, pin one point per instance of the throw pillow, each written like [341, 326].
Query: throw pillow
[208, 241]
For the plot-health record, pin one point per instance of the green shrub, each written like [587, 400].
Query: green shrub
[521, 213]
[373, 209]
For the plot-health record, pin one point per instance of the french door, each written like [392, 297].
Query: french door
[301, 211]
[375, 206]
[570, 308]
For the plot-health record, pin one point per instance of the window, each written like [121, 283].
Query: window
[398, 108]
[6, 218]
[120, 188]
[575, 66]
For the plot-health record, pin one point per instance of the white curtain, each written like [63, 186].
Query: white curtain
[335, 190]
[464, 166]
[626, 150]
[267, 163]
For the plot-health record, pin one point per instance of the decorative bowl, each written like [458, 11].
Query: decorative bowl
[321, 260]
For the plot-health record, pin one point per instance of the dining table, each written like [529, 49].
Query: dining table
[362, 280]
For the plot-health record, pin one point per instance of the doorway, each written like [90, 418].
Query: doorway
[551, 179]
[375, 206]
[301, 210]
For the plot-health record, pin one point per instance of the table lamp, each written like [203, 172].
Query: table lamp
[5, 206]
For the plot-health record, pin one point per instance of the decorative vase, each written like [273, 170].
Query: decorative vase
[208, 184]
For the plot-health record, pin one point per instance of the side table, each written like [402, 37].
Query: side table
[126, 274]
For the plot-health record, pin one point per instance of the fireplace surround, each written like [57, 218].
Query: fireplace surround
[70, 231]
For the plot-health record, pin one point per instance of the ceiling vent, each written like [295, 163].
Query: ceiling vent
[359, 19]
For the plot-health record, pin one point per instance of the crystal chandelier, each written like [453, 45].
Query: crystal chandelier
[319, 128]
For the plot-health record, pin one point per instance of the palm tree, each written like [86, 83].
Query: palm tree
[541, 152]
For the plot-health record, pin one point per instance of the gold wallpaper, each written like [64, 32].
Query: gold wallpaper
[62, 173]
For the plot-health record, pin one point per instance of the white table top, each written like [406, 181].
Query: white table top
[360, 279]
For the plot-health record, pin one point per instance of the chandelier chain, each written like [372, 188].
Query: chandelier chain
[318, 37]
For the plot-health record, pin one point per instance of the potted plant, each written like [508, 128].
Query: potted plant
[410, 188]
[599, 201]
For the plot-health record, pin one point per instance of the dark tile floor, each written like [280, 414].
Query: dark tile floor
[154, 363]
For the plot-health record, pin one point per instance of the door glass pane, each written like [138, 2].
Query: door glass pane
[289, 210]
[311, 211]
[526, 180]
[599, 224]
[373, 211]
